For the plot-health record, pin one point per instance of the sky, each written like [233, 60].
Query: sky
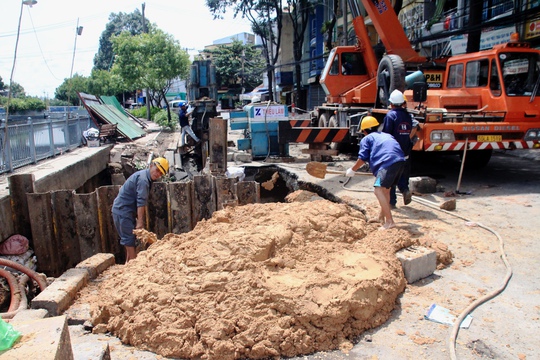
[48, 46]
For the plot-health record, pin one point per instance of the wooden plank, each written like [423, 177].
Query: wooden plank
[110, 241]
[19, 186]
[225, 192]
[158, 209]
[180, 196]
[204, 202]
[6, 220]
[65, 229]
[45, 247]
[248, 192]
[85, 207]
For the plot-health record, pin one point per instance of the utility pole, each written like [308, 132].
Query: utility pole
[78, 31]
[243, 61]
[145, 30]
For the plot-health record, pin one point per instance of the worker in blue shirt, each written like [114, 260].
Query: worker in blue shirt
[399, 123]
[386, 161]
[129, 207]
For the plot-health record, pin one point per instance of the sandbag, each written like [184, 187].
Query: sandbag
[14, 245]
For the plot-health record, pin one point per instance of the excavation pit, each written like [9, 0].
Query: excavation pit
[292, 275]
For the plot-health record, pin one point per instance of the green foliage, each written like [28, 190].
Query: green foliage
[149, 61]
[17, 91]
[67, 91]
[141, 112]
[118, 23]
[23, 104]
[161, 118]
[102, 82]
[238, 64]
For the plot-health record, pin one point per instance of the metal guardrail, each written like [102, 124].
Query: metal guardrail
[29, 139]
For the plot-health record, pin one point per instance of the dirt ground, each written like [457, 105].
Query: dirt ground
[275, 280]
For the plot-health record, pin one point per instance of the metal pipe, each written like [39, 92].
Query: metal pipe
[462, 165]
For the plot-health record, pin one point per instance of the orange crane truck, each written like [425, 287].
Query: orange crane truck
[484, 100]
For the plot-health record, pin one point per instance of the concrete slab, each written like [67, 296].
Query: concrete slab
[97, 264]
[57, 297]
[46, 339]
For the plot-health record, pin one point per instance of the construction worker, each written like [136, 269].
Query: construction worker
[129, 206]
[183, 118]
[399, 123]
[386, 161]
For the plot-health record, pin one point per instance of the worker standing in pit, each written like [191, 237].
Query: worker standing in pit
[386, 161]
[183, 118]
[129, 207]
[399, 123]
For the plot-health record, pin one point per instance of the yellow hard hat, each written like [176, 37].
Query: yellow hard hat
[368, 122]
[162, 164]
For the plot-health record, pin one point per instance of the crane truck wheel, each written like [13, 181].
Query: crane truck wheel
[332, 123]
[477, 159]
[323, 120]
[392, 71]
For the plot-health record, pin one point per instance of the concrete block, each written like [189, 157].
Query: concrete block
[57, 297]
[97, 264]
[242, 157]
[46, 339]
[30, 314]
[417, 262]
[115, 155]
[87, 346]
[423, 185]
[78, 313]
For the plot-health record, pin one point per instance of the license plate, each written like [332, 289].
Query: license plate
[489, 138]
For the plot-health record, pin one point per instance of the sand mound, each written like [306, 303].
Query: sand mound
[256, 281]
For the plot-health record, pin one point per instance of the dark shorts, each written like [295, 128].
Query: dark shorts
[388, 177]
[125, 226]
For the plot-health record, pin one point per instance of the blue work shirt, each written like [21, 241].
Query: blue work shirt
[399, 123]
[183, 118]
[380, 150]
[133, 194]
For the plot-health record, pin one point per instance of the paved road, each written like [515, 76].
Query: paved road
[503, 198]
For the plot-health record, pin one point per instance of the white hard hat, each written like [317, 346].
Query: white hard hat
[396, 97]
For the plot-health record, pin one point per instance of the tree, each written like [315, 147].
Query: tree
[237, 64]
[149, 61]
[67, 91]
[118, 23]
[2, 85]
[17, 91]
[265, 17]
[104, 82]
[299, 11]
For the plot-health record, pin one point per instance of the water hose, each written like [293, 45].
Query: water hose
[40, 279]
[483, 299]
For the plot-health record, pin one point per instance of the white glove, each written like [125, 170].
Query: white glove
[350, 172]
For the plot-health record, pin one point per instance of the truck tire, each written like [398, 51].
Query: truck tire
[477, 159]
[323, 120]
[333, 123]
[392, 69]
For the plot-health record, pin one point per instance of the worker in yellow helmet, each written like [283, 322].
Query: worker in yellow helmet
[129, 206]
[386, 161]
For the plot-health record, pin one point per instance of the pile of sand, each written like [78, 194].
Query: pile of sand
[256, 281]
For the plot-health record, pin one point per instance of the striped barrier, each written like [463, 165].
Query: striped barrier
[501, 145]
[308, 135]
